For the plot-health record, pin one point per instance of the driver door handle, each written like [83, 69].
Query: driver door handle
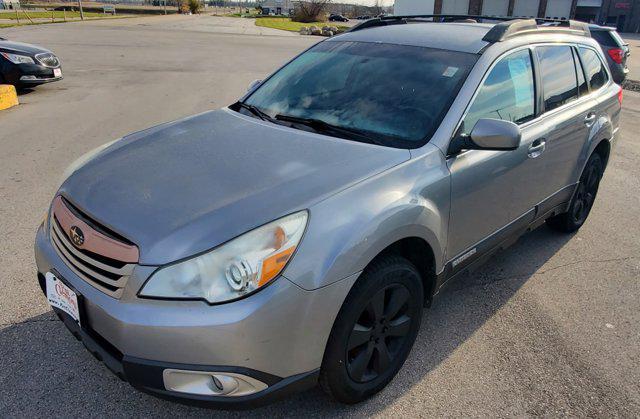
[537, 148]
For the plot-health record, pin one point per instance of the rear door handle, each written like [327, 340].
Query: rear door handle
[537, 148]
[590, 119]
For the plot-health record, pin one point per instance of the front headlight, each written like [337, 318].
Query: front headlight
[17, 59]
[234, 269]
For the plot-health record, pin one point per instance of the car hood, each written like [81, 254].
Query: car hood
[19, 47]
[185, 187]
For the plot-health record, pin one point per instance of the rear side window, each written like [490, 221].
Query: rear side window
[558, 73]
[596, 74]
[507, 93]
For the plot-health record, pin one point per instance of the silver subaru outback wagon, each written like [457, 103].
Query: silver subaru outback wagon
[294, 237]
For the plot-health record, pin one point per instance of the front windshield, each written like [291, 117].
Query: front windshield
[395, 94]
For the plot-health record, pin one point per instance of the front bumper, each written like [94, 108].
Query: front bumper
[147, 376]
[276, 336]
[15, 73]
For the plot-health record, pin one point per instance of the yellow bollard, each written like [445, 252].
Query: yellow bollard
[8, 96]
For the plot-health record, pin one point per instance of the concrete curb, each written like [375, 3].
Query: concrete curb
[8, 96]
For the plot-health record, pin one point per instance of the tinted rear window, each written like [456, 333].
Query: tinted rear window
[616, 36]
[558, 72]
[604, 38]
[608, 38]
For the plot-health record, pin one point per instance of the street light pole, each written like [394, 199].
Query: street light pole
[165, 7]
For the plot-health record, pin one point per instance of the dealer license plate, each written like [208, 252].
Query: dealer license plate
[62, 297]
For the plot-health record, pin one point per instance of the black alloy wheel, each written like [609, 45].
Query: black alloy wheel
[583, 198]
[374, 331]
[379, 334]
[586, 193]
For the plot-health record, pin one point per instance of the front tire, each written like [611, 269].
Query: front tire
[374, 331]
[583, 198]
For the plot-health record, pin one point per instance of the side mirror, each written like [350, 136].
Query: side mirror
[488, 134]
[254, 85]
[495, 134]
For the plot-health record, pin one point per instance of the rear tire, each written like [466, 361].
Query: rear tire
[582, 200]
[374, 331]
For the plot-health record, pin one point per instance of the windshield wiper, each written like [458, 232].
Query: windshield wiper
[254, 110]
[321, 126]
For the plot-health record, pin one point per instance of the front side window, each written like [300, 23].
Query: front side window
[507, 93]
[394, 94]
[596, 73]
[558, 73]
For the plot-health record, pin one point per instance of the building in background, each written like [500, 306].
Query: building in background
[588, 10]
[277, 7]
[622, 14]
[534, 8]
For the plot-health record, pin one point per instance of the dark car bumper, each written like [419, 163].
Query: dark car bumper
[27, 74]
[619, 72]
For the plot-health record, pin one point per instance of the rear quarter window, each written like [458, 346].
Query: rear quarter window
[594, 68]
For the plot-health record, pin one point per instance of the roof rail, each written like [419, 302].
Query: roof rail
[401, 19]
[519, 27]
[506, 26]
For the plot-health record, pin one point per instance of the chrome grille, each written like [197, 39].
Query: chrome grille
[108, 275]
[48, 60]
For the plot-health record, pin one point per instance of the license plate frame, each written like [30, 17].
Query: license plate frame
[64, 298]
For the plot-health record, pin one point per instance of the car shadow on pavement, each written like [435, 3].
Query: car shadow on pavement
[42, 368]
[23, 91]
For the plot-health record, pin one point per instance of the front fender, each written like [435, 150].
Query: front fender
[349, 229]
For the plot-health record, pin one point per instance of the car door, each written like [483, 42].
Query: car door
[493, 193]
[568, 116]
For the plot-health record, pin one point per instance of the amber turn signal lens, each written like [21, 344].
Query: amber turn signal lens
[273, 265]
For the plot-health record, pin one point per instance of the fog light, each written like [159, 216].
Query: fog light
[205, 383]
[24, 78]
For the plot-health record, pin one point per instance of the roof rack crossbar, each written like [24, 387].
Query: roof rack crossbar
[507, 26]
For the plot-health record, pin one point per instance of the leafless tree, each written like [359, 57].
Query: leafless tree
[377, 7]
[311, 10]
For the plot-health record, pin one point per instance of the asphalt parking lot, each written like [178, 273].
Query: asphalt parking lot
[549, 327]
